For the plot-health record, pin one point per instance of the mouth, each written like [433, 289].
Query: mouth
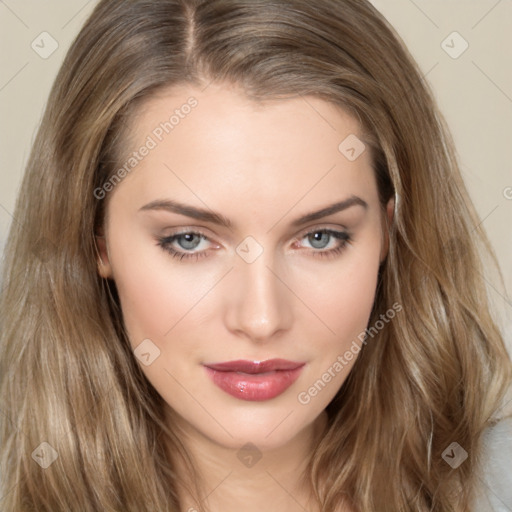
[254, 380]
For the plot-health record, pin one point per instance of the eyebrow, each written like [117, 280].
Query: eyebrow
[187, 211]
[216, 218]
[330, 210]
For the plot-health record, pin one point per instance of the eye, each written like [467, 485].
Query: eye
[188, 244]
[325, 242]
[195, 245]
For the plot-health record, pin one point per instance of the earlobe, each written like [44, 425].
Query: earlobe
[103, 260]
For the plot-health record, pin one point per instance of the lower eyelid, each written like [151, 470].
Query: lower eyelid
[165, 243]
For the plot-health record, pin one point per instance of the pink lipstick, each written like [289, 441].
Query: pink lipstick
[254, 380]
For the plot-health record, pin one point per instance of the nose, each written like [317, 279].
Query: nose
[259, 305]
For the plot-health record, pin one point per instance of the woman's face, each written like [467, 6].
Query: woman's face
[244, 233]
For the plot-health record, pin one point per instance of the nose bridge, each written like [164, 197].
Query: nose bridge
[259, 306]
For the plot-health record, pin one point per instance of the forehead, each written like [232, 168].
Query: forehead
[219, 147]
[223, 115]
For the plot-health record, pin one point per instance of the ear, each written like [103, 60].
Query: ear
[387, 221]
[103, 260]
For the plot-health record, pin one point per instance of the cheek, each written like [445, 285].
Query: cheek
[153, 292]
[352, 296]
[147, 305]
[343, 303]
[342, 295]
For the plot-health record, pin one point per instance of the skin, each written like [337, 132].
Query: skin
[262, 166]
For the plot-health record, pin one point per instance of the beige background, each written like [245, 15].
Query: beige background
[474, 91]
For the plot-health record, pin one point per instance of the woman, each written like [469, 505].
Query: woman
[245, 273]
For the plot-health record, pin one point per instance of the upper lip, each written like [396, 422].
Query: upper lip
[242, 365]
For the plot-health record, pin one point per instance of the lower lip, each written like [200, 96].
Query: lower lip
[254, 387]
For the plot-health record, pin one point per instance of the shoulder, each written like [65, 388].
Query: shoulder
[494, 492]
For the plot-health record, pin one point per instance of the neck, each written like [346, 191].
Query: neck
[234, 479]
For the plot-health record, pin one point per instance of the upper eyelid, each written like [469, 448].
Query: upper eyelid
[194, 231]
[304, 232]
[298, 237]
[326, 230]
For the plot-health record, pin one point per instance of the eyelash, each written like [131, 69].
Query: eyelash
[165, 244]
[342, 236]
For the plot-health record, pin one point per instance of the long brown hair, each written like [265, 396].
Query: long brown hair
[434, 375]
